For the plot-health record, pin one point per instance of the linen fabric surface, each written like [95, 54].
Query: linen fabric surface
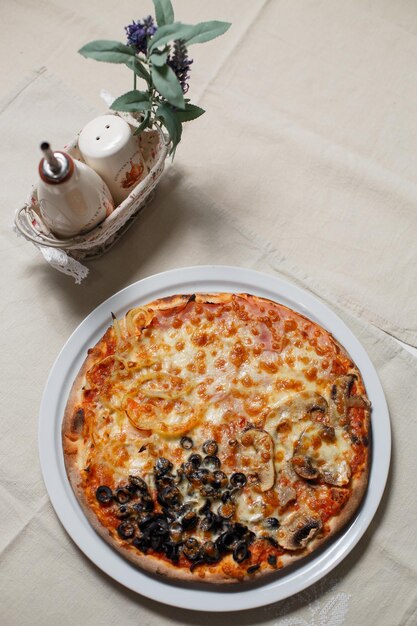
[301, 167]
[309, 137]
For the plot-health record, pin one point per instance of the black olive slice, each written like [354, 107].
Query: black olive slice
[220, 523]
[145, 521]
[169, 496]
[241, 552]
[188, 468]
[253, 568]
[210, 447]
[210, 551]
[126, 530]
[189, 520]
[272, 522]
[104, 494]
[213, 462]
[195, 460]
[219, 479]
[207, 522]
[162, 466]
[186, 443]
[227, 510]
[238, 480]
[191, 548]
[148, 504]
[164, 481]
[226, 496]
[171, 514]
[142, 544]
[203, 474]
[145, 503]
[159, 526]
[125, 511]
[199, 476]
[272, 560]
[240, 530]
[138, 483]
[176, 532]
[122, 495]
[208, 491]
[156, 542]
[226, 541]
[191, 543]
[242, 533]
[184, 508]
[171, 550]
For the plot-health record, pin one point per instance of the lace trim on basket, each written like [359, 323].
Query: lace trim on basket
[59, 260]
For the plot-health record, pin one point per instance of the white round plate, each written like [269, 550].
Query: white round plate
[195, 596]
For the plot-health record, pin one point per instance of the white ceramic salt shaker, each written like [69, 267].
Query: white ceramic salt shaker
[109, 147]
[73, 199]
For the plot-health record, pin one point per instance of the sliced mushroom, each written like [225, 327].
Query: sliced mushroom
[300, 405]
[319, 453]
[339, 393]
[341, 400]
[338, 474]
[261, 444]
[298, 529]
[304, 467]
[284, 489]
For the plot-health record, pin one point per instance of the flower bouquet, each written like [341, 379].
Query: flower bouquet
[157, 54]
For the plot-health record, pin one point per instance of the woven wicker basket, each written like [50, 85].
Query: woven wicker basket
[60, 252]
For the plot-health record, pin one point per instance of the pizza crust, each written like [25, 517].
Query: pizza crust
[215, 573]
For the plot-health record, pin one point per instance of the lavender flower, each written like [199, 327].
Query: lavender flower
[139, 32]
[180, 63]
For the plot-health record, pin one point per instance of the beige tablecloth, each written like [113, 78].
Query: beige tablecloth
[304, 167]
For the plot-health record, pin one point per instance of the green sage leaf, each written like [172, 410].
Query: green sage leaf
[143, 124]
[132, 101]
[159, 58]
[167, 33]
[140, 70]
[107, 51]
[171, 123]
[205, 31]
[191, 112]
[164, 12]
[168, 85]
[199, 33]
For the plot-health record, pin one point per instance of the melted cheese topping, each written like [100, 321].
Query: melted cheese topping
[214, 371]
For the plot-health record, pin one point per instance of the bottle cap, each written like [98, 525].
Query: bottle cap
[104, 136]
[55, 167]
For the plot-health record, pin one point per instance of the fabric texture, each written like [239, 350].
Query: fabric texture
[310, 123]
[302, 167]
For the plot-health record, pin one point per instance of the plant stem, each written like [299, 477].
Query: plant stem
[134, 81]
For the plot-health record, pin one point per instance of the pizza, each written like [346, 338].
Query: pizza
[217, 437]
